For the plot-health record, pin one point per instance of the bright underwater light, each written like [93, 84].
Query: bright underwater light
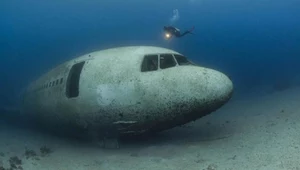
[167, 35]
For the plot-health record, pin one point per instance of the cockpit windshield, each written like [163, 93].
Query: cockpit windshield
[181, 60]
[166, 61]
[152, 62]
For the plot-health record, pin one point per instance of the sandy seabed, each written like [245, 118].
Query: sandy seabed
[256, 133]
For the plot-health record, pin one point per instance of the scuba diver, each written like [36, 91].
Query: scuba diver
[172, 31]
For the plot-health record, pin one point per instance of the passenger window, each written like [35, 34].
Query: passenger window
[181, 60]
[150, 63]
[166, 61]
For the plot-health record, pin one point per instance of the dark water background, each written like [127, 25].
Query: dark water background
[255, 42]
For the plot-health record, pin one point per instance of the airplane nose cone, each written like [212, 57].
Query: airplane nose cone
[206, 91]
[184, 94]
[218, 88]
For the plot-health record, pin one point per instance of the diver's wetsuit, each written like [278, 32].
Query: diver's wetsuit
[176, 32]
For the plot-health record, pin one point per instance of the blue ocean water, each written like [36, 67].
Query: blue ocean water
[255, 42]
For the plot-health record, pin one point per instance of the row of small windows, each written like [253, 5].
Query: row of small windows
[154, 61]
[51, 84]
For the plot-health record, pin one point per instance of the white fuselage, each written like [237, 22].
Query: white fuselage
[107, 89]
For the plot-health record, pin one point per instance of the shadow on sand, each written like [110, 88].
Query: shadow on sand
[200, 131]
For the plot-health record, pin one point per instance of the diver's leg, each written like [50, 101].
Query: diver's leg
[183, 34]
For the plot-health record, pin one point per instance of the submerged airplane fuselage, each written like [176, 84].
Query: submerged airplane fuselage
[132, 90]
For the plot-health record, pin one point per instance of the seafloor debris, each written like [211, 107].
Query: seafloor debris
[15, 163]
[45, 150]
[30, 153]
[212, 167]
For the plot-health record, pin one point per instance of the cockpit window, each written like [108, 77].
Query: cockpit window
[150, 63]
[166, 61]
[181, 60]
